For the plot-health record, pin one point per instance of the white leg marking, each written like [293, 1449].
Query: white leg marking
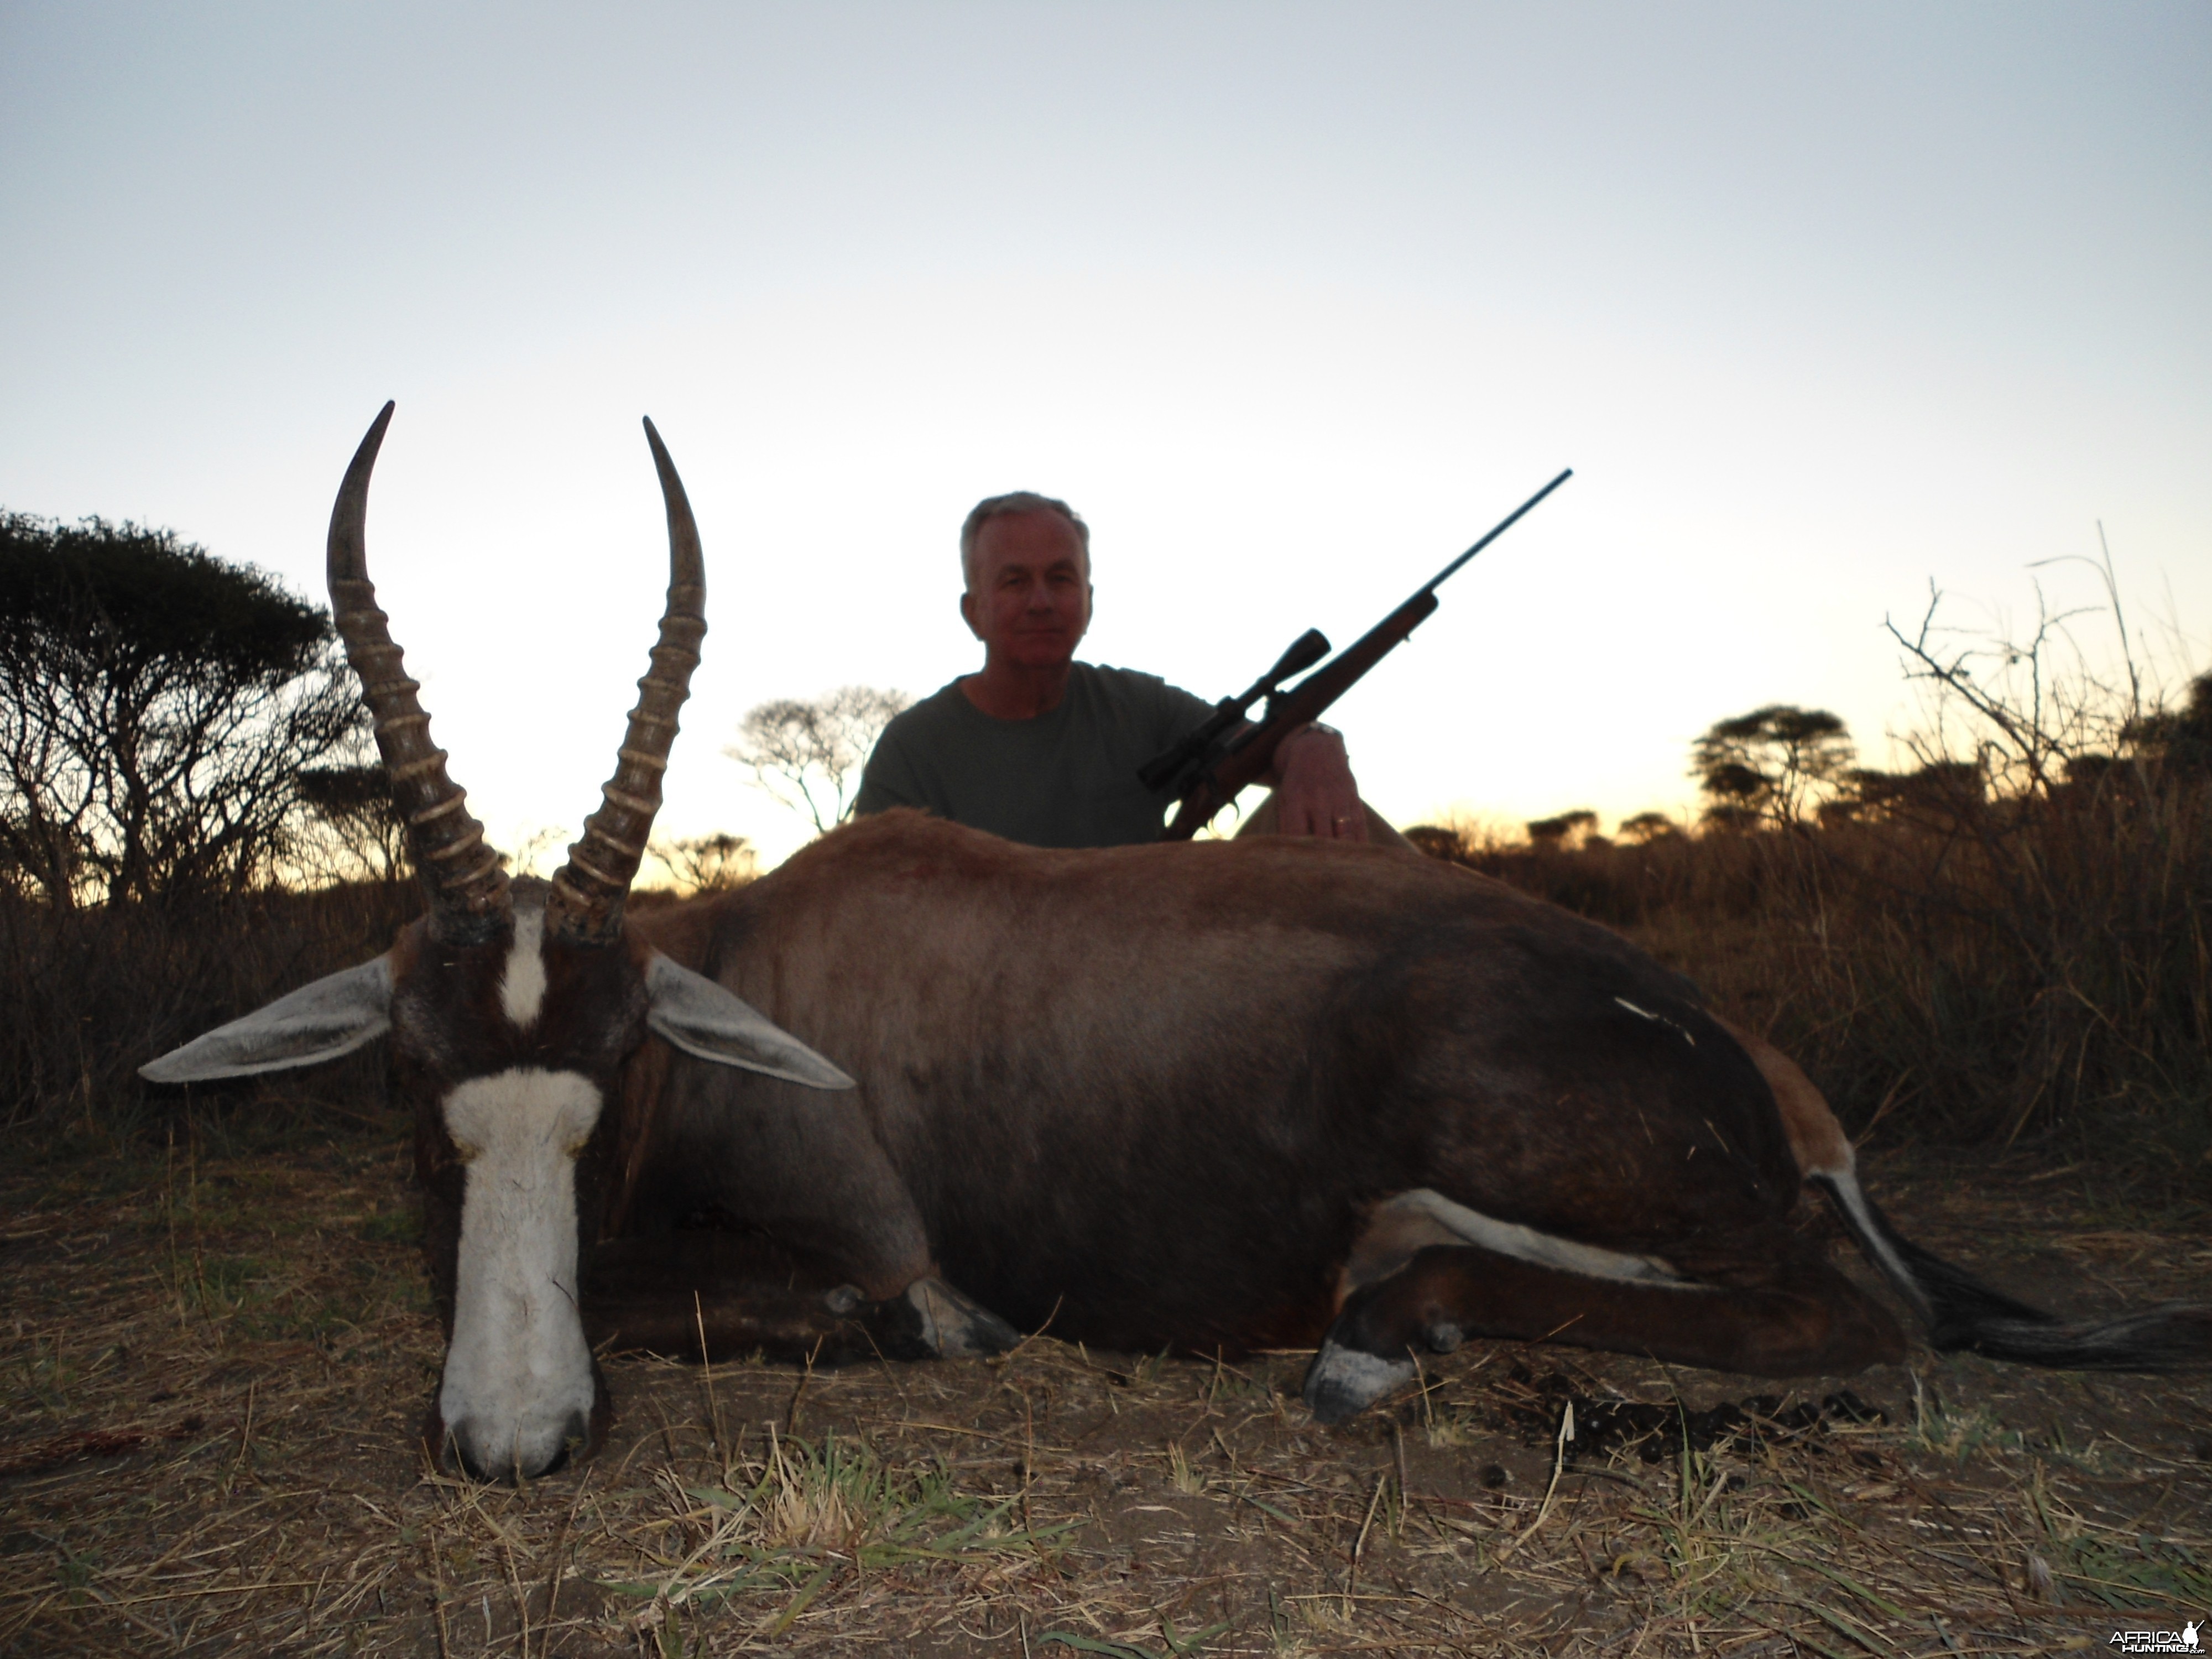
[1342, 1381]
[955, 1324]
[1527, 1244]
[517, 1377]
[523, 991]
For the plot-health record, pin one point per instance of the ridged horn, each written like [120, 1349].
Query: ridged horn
[586, 901]
[461, 876]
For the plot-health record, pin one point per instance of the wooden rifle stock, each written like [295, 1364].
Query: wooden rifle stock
[1252, 755]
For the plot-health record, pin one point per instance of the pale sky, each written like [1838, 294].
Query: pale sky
[1821, 303]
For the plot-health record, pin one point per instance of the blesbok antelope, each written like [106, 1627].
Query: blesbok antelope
[1228, 1095]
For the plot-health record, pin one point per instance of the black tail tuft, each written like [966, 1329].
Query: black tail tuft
[1963, 1313]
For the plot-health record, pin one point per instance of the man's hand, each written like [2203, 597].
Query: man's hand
[1315, 793]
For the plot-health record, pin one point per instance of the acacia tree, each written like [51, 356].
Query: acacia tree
[363, 833]
[158, 708]
[2179, 739]
[808, 755]
[1568, 829]
[1645, 828]
[1769, 765]
[715, 863]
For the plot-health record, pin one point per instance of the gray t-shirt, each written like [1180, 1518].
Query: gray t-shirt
[1068, 778]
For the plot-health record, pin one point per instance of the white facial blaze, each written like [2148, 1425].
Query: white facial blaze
[523, 990]
[517, 1377]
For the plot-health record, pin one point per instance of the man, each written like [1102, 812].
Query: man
[1044, 749]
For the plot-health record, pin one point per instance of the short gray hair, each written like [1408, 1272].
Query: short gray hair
[1001, 507]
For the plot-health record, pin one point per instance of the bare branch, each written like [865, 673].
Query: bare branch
[807, 756]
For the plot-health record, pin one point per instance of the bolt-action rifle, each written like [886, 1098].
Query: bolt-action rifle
[1212, 763]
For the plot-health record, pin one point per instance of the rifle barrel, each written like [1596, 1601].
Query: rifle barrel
[1509, 520]
[1216, 783]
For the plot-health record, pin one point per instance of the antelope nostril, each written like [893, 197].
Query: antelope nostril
[515, 1454]
[459, 1448]
[507, 1464]
[573, 1437]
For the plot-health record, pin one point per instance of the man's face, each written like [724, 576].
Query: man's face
[1031, 600]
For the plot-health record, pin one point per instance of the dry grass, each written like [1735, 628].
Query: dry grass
[214, 1369]
[2034, 972]
[86, 997]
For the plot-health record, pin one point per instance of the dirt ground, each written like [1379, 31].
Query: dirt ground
[214, 1368]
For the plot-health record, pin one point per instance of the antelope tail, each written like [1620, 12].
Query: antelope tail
[1963, 1313]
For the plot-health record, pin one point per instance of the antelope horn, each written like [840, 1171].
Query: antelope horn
[461, 876]
[586, 901]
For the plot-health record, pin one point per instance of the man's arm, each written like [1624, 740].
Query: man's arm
[1316, 794]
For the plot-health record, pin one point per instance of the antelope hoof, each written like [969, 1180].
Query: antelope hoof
[1444, 1337]
[1343, 1381]
[843, 1300]
[954, 1327]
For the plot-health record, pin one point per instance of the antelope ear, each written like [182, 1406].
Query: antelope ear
[701, 1019]
[333, 1016]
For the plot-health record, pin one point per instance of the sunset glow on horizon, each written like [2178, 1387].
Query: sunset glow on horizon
[1290, 302]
